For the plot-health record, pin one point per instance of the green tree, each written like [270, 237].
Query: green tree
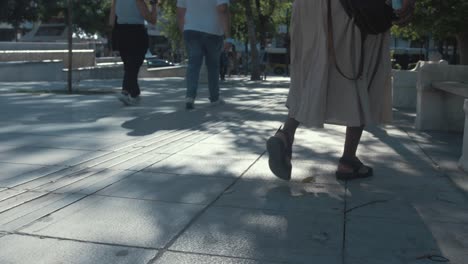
[89, 16]
[15, 12]
[441, 20]
[256, 21]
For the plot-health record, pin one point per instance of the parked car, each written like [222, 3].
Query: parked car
[154, 62]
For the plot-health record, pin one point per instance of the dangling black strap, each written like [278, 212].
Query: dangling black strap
[331, 48]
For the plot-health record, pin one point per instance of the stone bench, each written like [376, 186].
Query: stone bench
[441, 91]
[442, 102]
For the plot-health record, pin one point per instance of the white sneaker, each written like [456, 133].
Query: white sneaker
[126, 99]
[220, 101]
[123, 97]
[133, 100]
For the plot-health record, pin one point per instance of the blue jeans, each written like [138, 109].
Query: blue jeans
[199, 45]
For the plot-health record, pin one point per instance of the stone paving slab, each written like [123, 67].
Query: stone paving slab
[134, 161]
[129, 222]
[183, 258]
[408, 204]
[19, 198]
[405, 241]
[404, 175]
[35, 156]
[320, 171]
[202, 165]
[285, 196]
[168, 188]
[264, 235]
[225, 151]
[89, 183]
[30, 175]
[11, 170]
[15, 249]
[26, 213]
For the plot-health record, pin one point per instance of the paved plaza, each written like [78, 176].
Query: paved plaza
[85, 180]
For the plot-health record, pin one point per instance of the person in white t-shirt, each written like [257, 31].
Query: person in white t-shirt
[204, 23]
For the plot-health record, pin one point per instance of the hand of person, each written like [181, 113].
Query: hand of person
[406, 13]
[228, 44]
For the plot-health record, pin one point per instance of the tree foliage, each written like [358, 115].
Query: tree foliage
[440, 20]
[16, 12]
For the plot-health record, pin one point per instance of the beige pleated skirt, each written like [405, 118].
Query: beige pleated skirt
[319, 94]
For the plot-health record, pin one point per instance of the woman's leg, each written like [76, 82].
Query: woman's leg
[353, 137]
[288, 131]
[279, 149]
[350, 167]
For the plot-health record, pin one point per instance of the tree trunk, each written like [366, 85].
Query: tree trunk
[255, 75]
[262, 23]
[462, 39]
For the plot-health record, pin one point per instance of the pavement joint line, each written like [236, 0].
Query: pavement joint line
[78, 200]
[24, 202]
[148, 200]
[226, 256]
[436, 165]
[365, 204]
[201, 212]
[79, 240]
[299, 211]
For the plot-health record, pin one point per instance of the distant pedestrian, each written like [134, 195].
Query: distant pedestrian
[263, 62]
[204, 23]
[130, 38]
[340, 75]
[223, 65]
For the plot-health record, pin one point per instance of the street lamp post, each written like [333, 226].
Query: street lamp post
[70, 45]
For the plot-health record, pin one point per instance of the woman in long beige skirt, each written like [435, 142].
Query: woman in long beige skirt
[319, 92]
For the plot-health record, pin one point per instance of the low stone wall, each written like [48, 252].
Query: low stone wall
[115, 71]
[404, 89]
[81, 58]
[29, 71]
[7, 45]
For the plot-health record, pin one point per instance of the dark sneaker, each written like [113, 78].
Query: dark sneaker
[189, 103]
[189, 106]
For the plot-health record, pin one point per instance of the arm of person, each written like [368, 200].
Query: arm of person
[150, 16]
[225, 20]
[112, 14]
[181, 17]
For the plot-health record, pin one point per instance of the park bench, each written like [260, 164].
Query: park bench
[442, 101]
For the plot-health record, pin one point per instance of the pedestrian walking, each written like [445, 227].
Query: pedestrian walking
[204, 23]
[223, 65]
[340, 74]
[130, 38]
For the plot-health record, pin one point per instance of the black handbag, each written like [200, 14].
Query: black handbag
[371, 16]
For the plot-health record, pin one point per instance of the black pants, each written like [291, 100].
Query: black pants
[133, 43]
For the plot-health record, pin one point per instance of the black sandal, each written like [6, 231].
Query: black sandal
[359, 170]
[280, 155]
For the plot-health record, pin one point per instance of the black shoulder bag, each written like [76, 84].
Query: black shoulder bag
[372, 17]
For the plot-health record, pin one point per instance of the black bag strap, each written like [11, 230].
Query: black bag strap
[331, 48]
